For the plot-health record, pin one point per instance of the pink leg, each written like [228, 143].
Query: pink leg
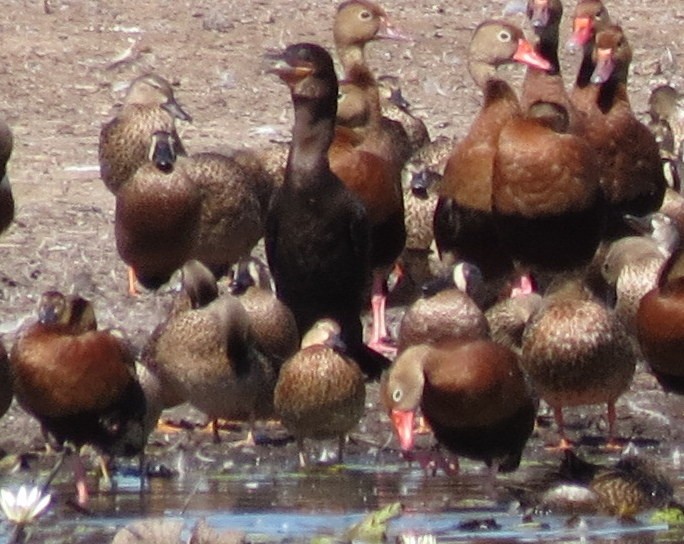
[611, 443]
[379, 338]
[80, 479]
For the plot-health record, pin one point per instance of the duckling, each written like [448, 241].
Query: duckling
[209, 356]
[472, 394]
[79, 382]
[6, 197]
[321, 391]
[272, 322]
[575, 351]
[317, 230]
[157, 217]
[149, 106]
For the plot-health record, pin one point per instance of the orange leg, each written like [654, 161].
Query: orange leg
[80, 479]
[564, 443]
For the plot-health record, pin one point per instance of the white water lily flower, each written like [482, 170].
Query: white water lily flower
[25, 506]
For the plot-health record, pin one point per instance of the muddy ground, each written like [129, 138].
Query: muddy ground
[64, 64]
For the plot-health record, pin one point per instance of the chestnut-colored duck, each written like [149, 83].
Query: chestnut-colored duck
[6, 197]
[79, 382]
[321, 391]
[317, 231]
[632, 174]
[659, 325]
[463, 221]
[157, 217]
[208, 354]
[546, 193]
[575, 351]
[271, 321]
[6, 389]
[449, 312]
[471, 392]
[149, 106]
[372, 166]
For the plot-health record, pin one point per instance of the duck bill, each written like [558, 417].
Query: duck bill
[398, 99]
[582, 29]
[388, 31]
[175, 109]
[402, 420]
[605, 65]
[526, 54]
[540, 13]
[290, 74]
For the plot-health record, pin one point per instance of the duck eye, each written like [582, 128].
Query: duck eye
[504, 36]
[365, 14]
[396, 395]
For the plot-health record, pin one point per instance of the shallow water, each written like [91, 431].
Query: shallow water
[272, 503]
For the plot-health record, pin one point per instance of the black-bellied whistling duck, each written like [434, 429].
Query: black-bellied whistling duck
[575, 352]
[320, 391]
[632, 175]
[471, 392]
[377, 178]
[6, 197]
[447, 313]
[317, 230]
[157, 216]
[149, 106]
[365, 169]
[463, 221]
[79, 382]
[209, 355]
[546, 194]
[660, 329]
[271, 321]
[6, 389]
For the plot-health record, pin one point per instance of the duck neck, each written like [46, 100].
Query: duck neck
[587, 66]
[547, 47]
[312, 135]
[351, 55]
[482, 73]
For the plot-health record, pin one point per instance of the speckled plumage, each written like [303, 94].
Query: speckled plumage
[320, 391]
[508, 318]
[149, 107]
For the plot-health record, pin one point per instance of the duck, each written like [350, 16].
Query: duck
[658, 324]
[630, 486]
[236, 189]
[157, 216]
[317, 230]
[463, 223]
[397, 108]
[447, 311]
[6, 196]
[576, 352]
[472, 394]
[272, 322]
[6, 389]
[632, 175]
[547, 202]
[589, 17]
[149, 106]
[371, 167]
[208, 355]
[508, 318]
[79, 382]
[321, 391]
[633, 263]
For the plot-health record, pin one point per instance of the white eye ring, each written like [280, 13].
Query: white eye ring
[365, 14]
[504, 36]
[396, 395]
